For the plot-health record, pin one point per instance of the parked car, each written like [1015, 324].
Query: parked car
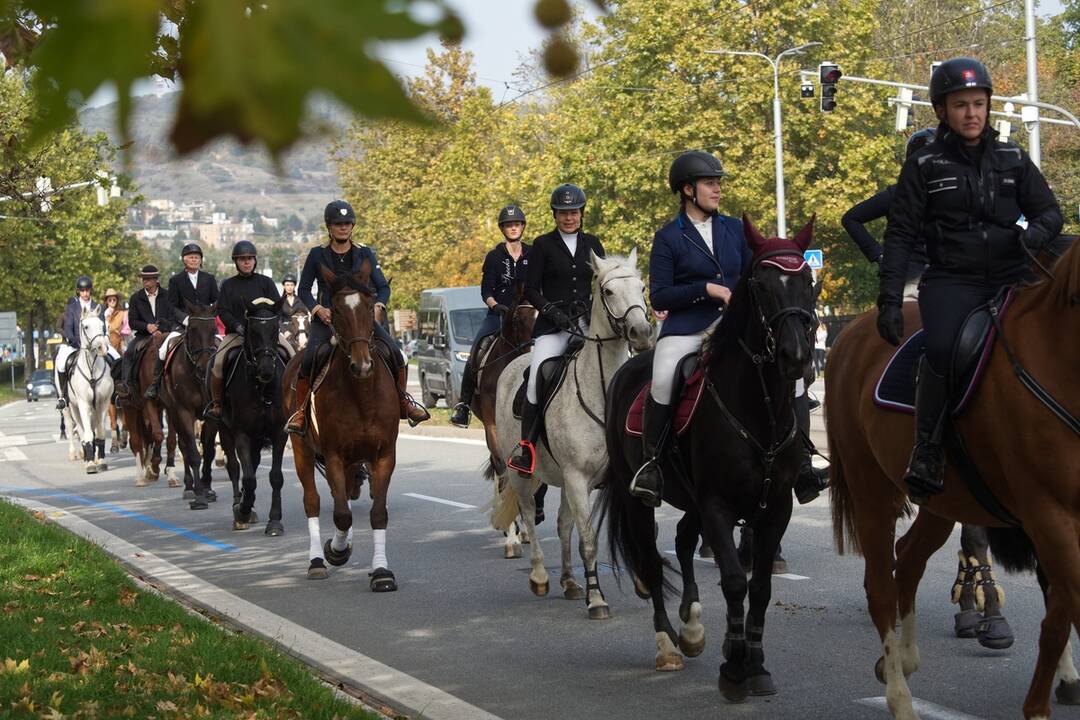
[40, 385]
[448, 321]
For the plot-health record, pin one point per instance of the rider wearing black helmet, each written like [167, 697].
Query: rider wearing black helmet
[695, 263]
[504, 268]
[292, 303]
[76, 306]
[963, 195]
[191, 285]
[558, 281]
[344, 257]
[237, 293]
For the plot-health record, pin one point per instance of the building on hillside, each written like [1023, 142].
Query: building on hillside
[222, 235]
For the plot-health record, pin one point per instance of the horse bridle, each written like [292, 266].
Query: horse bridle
[774, 324]
[192, 355]
[619, 323]
[346, 343]
[252, 354]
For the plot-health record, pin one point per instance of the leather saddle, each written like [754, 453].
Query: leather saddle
[688, 388]
[552, 374]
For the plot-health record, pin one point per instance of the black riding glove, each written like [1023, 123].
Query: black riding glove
[557, 316]
[1031, 240]
[890, 323]
[500, 308]
[239, 329]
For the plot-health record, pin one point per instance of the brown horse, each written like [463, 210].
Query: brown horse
[514, 339]
[1028, 456]
[182, 395]
[352, 418]
[142, 418]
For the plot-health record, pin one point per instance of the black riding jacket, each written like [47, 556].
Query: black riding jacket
[502, 273]
[557, 279]
[237, 293]
[964, 203]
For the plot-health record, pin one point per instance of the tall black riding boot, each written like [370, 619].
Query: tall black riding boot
[62, 395]
[525, 459]
[538, 498]
[155, 385]
[926, 469]
[810, 481]
[648, 482]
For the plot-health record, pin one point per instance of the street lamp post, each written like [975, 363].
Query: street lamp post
[778, 133]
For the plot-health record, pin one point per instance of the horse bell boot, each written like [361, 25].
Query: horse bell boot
[926, 468]
[298, 422]
[648, 482]
[155, 385]
[411, 410]
[525, 460]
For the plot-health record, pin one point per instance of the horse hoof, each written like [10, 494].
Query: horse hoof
[317, 570]
[198, 504]
[669, 663]
[1068, 693]
[142, 482]
[102, 466]
[779, 566]
[274, 529]
[254, 516]
[879, 670]
[538, 589]
[337, 558]
[572, 591]
[994, 633]
[733, 692]
[965, 623]
[599, 612]
[382, 580]
[91, 469]
[175, 483]
[761, 685]
[211, 496]
[512, 551]
[189, 495]
[692, 634]
[240, 525]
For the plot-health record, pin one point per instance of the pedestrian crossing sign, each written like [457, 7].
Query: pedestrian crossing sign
[814, 258]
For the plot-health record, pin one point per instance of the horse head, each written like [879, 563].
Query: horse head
[298, 325]
[518, 323]
[621, 291]
[352, 316]
[781, 287]
[261, 337]
[201, 335]
[93, 335]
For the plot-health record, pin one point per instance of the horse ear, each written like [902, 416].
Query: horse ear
[753, 237]
[596, 262]
[633, 258]
[817, 289]
[363, 275]
[191, 307]
[327, 275]
[805, 236]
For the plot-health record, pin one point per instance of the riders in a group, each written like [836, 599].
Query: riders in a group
[504, 268]
[149, 315]
[558, 281]
[343, 257]
[194, 286]
[695, 263]
[962, 194]
[855, 219]
[237, 293]
[76, 306]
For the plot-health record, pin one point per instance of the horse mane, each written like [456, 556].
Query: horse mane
[1067, 274]
[603, 266]
[347, 282]
[733, 323]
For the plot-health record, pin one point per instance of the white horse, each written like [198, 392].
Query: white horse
[90, 389]
[574, 427]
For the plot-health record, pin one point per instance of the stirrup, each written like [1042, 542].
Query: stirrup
[649, 496]
[458, 422]
[524, 445]
[409, 406]
[207, 411]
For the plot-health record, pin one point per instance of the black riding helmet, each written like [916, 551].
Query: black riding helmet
[83, 282]
[918, 140]
[567, 197]
[692, 166]
[959, 74]
[245, 248]
[339, 212]
[191, 249]
[288, 277]
[511, 213]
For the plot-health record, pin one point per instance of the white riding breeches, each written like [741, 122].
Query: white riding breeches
[669, 351]
[544, 347]
[62, 354]
[166, 345]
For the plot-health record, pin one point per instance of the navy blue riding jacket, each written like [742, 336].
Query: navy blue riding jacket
[73, 316]
[681, 264]
[337, 263]
[502, 273]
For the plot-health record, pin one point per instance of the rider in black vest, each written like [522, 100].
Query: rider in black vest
[504, 268]
[192, 285]
[149, 315]
[963, 194]
[344, 257]
[558, 282]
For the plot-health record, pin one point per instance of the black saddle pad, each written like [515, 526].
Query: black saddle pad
[552, 374]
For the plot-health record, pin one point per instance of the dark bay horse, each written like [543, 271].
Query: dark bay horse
[253, 416]
[142, 417]
[1027, 453]
[183, 396]
[736, 462]
[352, 418]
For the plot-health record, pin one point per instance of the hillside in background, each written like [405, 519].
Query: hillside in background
[231, 175]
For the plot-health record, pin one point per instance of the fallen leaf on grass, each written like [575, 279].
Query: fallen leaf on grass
[11, 606]
[166, 706]
[128, 597]
[25, 704]
[38, 620]
[12, 667]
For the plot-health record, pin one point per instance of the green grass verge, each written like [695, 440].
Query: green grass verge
[8, 395]
[78, 640]
[440, 417]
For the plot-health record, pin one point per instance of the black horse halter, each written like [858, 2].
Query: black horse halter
[193, 354]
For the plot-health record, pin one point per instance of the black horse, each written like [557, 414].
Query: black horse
[735, 463]
[252, 414]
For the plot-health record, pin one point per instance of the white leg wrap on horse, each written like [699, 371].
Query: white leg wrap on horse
[669, 351]
[1066, 671]
[340, 541]
[545, 346]
[314, 538]
[378, 557]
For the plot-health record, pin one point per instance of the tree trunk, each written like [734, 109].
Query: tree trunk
[28, 345]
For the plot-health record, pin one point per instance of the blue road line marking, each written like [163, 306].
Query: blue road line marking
[123, 512]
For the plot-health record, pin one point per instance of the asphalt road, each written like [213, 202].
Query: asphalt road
[465, 621]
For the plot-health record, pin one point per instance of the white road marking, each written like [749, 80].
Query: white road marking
[11, 440]
[926, 710]
[14, 455]
[451, 503]
[790, 576]
[430, 438]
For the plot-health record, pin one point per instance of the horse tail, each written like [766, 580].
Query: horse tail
[1012, 548]
[843, 505]
[489, 470]
[505, 509]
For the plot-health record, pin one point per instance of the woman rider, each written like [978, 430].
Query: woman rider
[504, 268]
[963, 194]
[558, 281]
[695, 263]
[344, 257]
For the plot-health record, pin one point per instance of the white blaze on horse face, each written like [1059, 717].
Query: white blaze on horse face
[352, 301]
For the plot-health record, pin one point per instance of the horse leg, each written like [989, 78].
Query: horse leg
[274, 526]
[251, 482]
[571, 590]
[719, 528]
[538, 576]
[207, 435]
[232, 464]
[926, 536]
[115, 427]
[1068, 689]
[101, 416]
[243, 503]
[85, 424]
[382, 579]
[993, 629]
[575, 490]
[304, 459]
[692, 633]
[339, 548]
[768, 532]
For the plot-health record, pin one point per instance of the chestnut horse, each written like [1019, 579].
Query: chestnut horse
[1027, 454]
[142, 419]
[352, 418]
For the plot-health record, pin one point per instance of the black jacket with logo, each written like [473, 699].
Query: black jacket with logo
[554, 277]
[501, 273]
[964, 203]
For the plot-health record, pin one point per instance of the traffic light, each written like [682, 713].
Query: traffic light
[829, 74]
